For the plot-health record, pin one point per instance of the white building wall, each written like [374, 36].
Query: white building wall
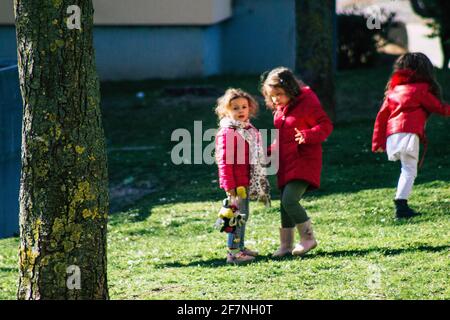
[147, 12]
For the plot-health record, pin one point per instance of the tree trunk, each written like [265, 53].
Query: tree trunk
[423, 8]
[444, 32]
[64, 183]
[316, 48]
[438, 11]
[446, 49]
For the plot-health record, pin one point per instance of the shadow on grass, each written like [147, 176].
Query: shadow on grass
[383, 251]
[143, 210]
[214, 263]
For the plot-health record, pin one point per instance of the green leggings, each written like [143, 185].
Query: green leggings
[292, 212]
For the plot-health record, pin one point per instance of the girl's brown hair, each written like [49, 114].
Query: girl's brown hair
[283, 78]
[224, 102]
[421, 68]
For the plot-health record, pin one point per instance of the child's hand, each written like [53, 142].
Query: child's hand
[231, 192]
[299, 137]
[379, 150]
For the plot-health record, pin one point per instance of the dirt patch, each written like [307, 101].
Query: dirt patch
[129, 191]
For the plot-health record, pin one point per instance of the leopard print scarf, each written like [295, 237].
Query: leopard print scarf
[259, 188]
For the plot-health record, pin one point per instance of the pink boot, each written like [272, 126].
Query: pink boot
[286, 242]
[308, 242]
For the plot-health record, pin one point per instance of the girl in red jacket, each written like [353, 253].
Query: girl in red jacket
[238, 152]
[303, 126]
[411, 95]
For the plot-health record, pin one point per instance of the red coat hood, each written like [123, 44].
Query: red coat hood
[402, 76]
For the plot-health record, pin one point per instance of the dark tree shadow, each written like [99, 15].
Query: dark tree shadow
[215, 263]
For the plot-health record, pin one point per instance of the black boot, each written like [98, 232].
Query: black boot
[402, 210]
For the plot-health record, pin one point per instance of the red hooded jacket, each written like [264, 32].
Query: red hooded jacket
[301, 161]
[406, 109]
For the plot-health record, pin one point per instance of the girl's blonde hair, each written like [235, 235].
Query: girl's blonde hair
[422, 71]
[223, 106]
[283, 78]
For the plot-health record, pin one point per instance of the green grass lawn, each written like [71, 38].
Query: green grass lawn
[164, 246]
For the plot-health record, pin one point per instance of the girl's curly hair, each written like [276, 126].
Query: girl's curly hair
[420, 69]
[223, 105]
[283, 78]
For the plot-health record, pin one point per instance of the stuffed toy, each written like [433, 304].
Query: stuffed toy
[229, 217]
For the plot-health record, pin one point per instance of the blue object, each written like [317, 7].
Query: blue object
[10, 143]
[259, 35]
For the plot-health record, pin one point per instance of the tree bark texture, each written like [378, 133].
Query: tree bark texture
[64, 183]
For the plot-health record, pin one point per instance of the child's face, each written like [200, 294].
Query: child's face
[239, 109]
[278, 96]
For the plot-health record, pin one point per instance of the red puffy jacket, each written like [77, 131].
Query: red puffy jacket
[406, 109]
[301, 161]
[232, 157]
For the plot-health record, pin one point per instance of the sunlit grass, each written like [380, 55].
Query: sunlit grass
[164, 246]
